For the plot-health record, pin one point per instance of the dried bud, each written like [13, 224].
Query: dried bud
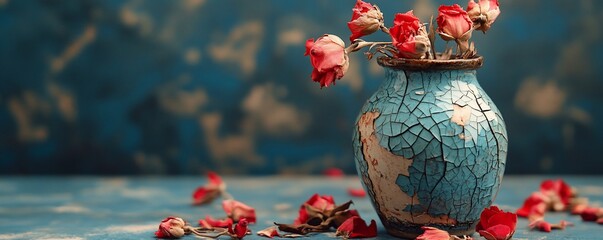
[366, 19]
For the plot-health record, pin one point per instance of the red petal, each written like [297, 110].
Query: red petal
[214, 179]
[238, 210]
[355, 227]
[541, 225]
[531, 204]
[356, 192]
[333, 172]
[222, 223]
[309, 44]
[240, 230]
[503, 218]
[487, 213]
[590, 214]
[559, 188]
[500, 232]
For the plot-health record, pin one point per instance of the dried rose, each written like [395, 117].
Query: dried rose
[240, 230]
[329, 59]
[483, 13]
[238, 210]
[171, 227]
[409, 37]
[269, 232]
[210, 191]
[323, 203]
[210, 222]
[495, 224]
[355, 227]
[357, 192]
[454, 23]
[366, 19]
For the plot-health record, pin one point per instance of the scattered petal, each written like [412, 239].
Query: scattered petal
[210, 191]
[210, 222]
[238, 210]
[322, 203]
[432, 233]
[591, 214]
[357, 192]
[355, 227]
[535, 204]
[545, 226]
[269, 232]
[240, 230]
[333, 172]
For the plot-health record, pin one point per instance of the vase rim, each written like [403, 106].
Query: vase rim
[430, 64]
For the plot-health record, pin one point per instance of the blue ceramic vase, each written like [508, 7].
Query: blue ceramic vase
[430, 146]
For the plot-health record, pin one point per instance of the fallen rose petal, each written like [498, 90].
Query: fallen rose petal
[558, 188]
[535, 204]
[333, 173]
[210, 222]
[238, 210]
[322, 203]
[240, 230]
[591, 214]
[545, 226]
[210, 191]
[600, 220]
[269, 232]
[357, 192]
[432, 233]
[355, 227]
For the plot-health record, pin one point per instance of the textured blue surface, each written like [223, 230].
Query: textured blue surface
[452, 132]
[131, 208]
[183, 86]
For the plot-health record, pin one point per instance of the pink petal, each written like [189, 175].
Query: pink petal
[333, 172]
[432, 233]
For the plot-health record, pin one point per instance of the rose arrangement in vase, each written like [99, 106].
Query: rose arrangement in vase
[430, 146]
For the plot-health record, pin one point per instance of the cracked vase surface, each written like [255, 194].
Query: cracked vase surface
[430, 147]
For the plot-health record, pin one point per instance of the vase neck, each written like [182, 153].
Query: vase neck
[427, 78]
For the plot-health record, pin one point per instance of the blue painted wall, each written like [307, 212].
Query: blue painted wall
[171, 87]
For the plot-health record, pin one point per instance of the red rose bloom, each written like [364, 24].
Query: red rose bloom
[483, 13]
[238, 210]
[495, 224]
[171, 227]
[329, 59]
[408, 36]
[210, 191]
[324, 203]
[355, 227]
[454, 23]
[366, 19]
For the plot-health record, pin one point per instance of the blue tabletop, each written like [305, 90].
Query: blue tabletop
[131, 208]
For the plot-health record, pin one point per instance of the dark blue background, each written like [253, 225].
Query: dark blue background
[172, 87]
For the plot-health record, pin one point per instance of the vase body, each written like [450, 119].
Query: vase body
[430, 147]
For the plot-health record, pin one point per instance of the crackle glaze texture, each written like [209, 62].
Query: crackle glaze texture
[430, 147]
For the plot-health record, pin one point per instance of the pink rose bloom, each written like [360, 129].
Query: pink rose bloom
[366, 19]
[483, 13]
[454, 23]
[329, 59]
[409, 37]
[238, 210]
[171, 227]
